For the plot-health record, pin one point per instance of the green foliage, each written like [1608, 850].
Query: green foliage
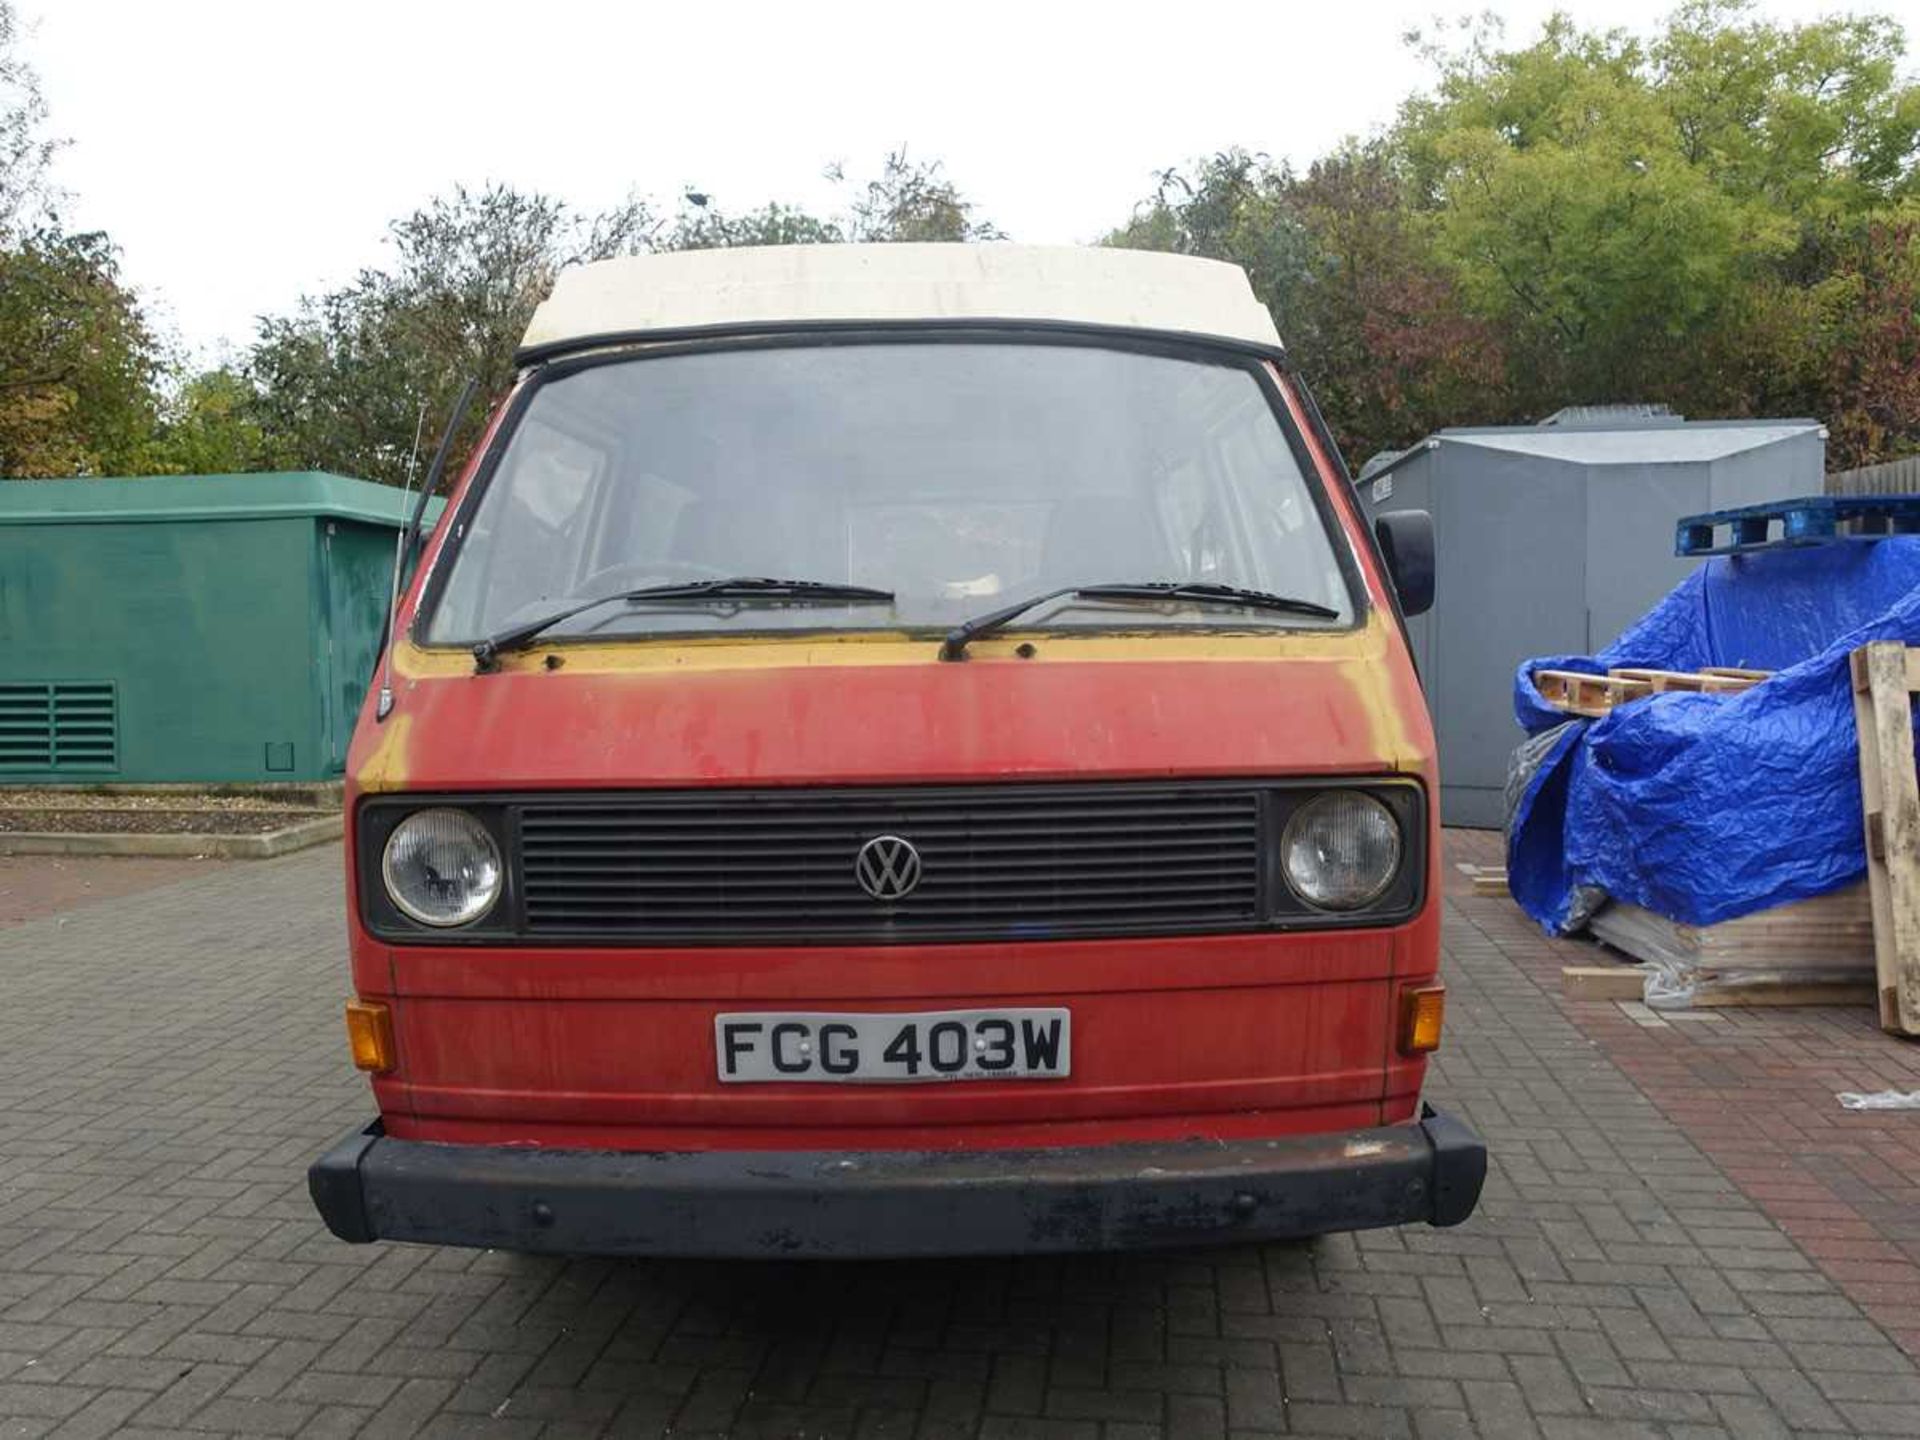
[1804, 116]
[1381, 318]
[1713, 219]
[344, 382]
[1869, 388]
[24, 149]
[908, 200]
[77, 362]
[208, 426]
[702, 226]
[1234, 206]
[1338, 257]
[1617, 209]
[1723, 216]
[911, 201]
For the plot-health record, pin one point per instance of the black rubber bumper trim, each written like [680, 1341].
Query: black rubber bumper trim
[1459, 1166]
[897, 1203]
[334, 1182]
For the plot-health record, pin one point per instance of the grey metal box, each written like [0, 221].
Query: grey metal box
[1551, 540]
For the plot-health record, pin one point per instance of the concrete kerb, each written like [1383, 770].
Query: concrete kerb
[320, 794]
[317, 831]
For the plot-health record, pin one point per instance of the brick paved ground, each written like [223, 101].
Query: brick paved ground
[1756, 1091]
[170, 1061]
[36, 885]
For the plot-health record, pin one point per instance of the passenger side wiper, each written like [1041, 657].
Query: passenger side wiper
[1204, 592]
[486, 654]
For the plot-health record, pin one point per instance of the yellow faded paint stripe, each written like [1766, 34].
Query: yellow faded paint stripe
[386, 768]
[879, 647]
[1389, 726]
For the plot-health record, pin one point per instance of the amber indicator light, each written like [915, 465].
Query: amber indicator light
[1422, 1014]
[370, 1035]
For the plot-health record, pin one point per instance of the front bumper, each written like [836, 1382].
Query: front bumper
[897, 1203]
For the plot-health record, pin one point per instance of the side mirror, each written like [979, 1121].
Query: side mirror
[1406, 544]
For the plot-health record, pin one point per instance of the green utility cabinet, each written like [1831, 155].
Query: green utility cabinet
[211, 628]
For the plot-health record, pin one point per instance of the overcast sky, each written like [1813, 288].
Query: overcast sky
[243, 152]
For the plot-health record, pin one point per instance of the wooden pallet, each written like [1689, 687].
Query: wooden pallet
[1578, 693]
[1708, 680]
[1885, 675]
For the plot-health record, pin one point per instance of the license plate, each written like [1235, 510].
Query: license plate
[868, 1048]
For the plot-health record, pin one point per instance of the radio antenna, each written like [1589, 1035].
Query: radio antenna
[384, 705]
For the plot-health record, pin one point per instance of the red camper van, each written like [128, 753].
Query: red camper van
[899, 750]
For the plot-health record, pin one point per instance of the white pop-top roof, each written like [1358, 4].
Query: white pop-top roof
[784, 285]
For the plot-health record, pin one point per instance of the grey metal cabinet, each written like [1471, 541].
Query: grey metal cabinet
[1554, 538]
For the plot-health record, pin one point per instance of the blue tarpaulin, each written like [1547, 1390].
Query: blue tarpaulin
[1706, 807]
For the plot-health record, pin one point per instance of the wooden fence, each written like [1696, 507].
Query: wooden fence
[1896, 477]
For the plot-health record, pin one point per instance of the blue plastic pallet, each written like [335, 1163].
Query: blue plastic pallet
[1803, 520]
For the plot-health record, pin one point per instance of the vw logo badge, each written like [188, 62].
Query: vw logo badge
[887, 867]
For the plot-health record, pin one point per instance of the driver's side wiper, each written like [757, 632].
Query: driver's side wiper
[1204, 592]
[486, 654]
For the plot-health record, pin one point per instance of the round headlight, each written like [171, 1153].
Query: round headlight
[1341, 850]
[441, 867]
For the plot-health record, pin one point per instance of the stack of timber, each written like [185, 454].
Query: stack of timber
[1577, 693]
[1485, 879]
[1808, 952]
[1612, 981]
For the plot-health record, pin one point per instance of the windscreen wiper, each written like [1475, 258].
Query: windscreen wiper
[486, 654]
[1204, 592]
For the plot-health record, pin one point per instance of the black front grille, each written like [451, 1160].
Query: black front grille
[1013, 861]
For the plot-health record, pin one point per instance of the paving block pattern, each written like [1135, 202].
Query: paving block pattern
[169, 1062]
[1757, 1090]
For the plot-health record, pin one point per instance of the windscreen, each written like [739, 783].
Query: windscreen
[960, 476]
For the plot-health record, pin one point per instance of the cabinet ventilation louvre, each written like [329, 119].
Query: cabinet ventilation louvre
[59, 726]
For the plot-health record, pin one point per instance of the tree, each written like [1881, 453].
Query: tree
[1618, 208]
[1336, 257]
[1234, 206]
[1869, 388]
[1561, 203]
[1721, 217]
[77, 362]
[1807, 117]
[1380, 321]
[24, 148]
[702, 225]
[344, 382]
[208, 426]
[909, 200]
